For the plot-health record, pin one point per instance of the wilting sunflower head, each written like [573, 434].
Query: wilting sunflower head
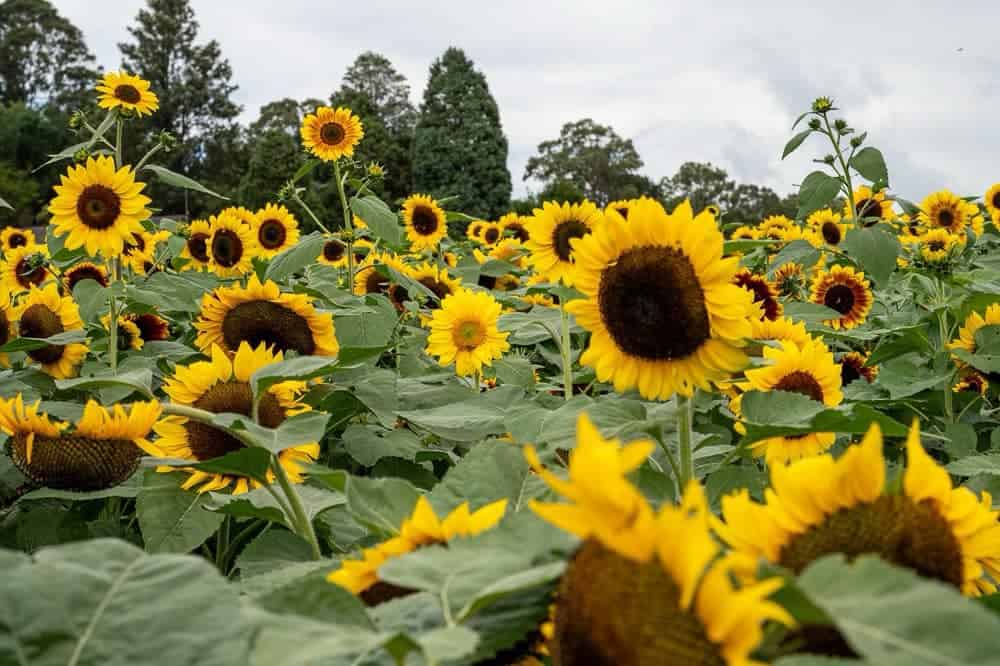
[98, 207]
[938, 246]
[425, 222]
[42, 314]
[946, 210]
[871, 207]
[854, 366]
[421, 528]
[604, 504]
[275, 229]
[128, 335]
[12, 238]
[99, 451]
[790, 280]
[992, 201]
[437, 282]
[845, 290]
[972, 381]
[84, 270]
[330, 134]
[763, 291]
[219, 386]
[231, 245]
[660, 303]
[333, 253]
[828, 225]
[24, 268]
[551, 233]
[464, 331]
[121, 90]
[260, 314]
[513, 226]
[196, 248]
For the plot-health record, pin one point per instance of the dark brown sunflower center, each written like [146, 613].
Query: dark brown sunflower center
[652, 304]
[438, 288]
[279, 327]
[839, 297]
[869, 208]
[375, 282]
[98, 206]
[831, 232]
[945, 217]
[996, 200]
[151, 327]
[128, 94]
[761, 294]
[564, 233]
[334, 250]
[75, 463]
[425, 222]
[38, 321]
[126, 337]
[227, 248]
[613, 611]
[4, 327]
[86, 272]
[468, 334]
[518, 231]
[623, 211]
[894, 527]
[491, 235]
[17, 240]
[850, 370]
[398, 295]
[801, 382]
[935, 245]
[475, 229]
[207, 442]
[197, 246]
[27, 275]
[138, 243]
[271, 234]
[332, 133]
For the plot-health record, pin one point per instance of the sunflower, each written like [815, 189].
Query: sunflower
[972, 381]
[946, 210]
[790, 280]
[551, 231]
[464, 331]
[774, 227]
[260, 314]
[223, 385]
[854, 366]
[437, 281]
[871, 207]
[195, 248]
[474, 230]
[44, 313]
[152, 327]
[512, 225]
[333, 253]
[820, 506]
[966, 339]
[12, 238]
[368, 279]
[7, 316]
[845, 290]
[129, 335]
[84, 270]
[490, 233]
[828, 225]
[231, 246]
[421, 528]
[992, 201]
[425, 222]
[99, 451]
[330, 134]
[361, 249]
[744, 232]
[781, 329]
[275, 229]
[98, 207]
[619, 207]
[139, 253]
[764, 293]
[660, 302]
[937, 246]
[24, 268]
[396, 292]
[127, 92]
[244, 214]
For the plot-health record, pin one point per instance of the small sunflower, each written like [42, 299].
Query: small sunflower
[660, 302]
[99, 451]
[333, 253]
[244, 214]
[764, 293]
[12, 238]
[972, 381]
[744, 232]
[98, 208]
[845, 290]
[198, 234]
[871, 207]
[129, 335]
[464, 331]
[330, 134]
[992, 201]
[966, 339]
[231, 246]
[937, 246]
[260, 314]
[139, 253]
[84, 270]
[474, 230]
[223, 385]
[854, 366]
[774, 227]
[152, 327]
[551, 231]
[368, 279]
[512, 225]
[24, 268]
[948, 211]
[421, 528]
[275, 229]
[44, 313]
[437, 281]
[781, 329]
[828, 225]
[790, 280]
[490, 233]
[819, 506]
[126, 91]
[425, 222]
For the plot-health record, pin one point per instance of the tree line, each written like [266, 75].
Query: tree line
[452, 146]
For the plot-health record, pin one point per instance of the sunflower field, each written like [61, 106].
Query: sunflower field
[618, 435]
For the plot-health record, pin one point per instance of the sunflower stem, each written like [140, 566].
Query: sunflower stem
[684, 417]
[145, 158]
[844, 166]
[566, 351]
[304, 525]
[348, 226]
[949, 409]
[116, 276]
[119, 149]
[475, 382]
[222, 544]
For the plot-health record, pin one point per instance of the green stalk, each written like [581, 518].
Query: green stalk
[847, 170]
[348, 225]
[304, 526]
[116, 276]
[949, 409]
[119, 149]
[684, 417]
[566, 350]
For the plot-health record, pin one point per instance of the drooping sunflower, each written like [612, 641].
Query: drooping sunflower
[98, 207]
[464, 331]
[551, 231]
[992, 201]
[261, 314]
[330, 134]
[195, 249]
[99, 451]
[854, 366]
[945, 210]
[512, 225]
[972, 381]
[275, 229]
[334, 253]
[937, 246]
[436, 280]
[128, 335]
[44, 313]
[422, 528]
[774, 227]
[12, 238]
[84, 270]
[819, 506]
[790, 280]
[490, 233]
[763, 290]
[24, 268]
[231, 246]
[871, 207]
[223, 385]
[126, 91]
[425, 222]
[845, 290]
[660, 302]
[828, 225]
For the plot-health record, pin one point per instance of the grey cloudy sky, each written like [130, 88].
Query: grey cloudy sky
[706, 81]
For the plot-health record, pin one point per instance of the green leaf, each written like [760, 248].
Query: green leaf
[816, 191]
[304, 170]
[988, 340]
[901, 377]
[297, 430]
[489, 472]
[516, 371]
[106, 602]
[381, 504]
[466, 421]
[128, 488]
[183, 182]
[260, 503]
[870, 164]
[4, 204]
[779, 408]
[28, 344]
[137, 380]
[875, 251]
[369, 444]
[247, 461]
[745, 245]
[380, 219]
[173, 520]
[92, 299]
[795, 142]
[301, 368]
[812, 314]
[311, 596]
[796, 252]
[981, 464]
[295, 258]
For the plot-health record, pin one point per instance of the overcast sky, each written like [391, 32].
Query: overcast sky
[706, 81]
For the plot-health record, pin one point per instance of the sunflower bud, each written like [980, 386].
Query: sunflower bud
[829, 159]
[81, 155]
[167, 140]
[76, 120]
[814, 124]
[376, 170]
[840, 125]
[822, 105]
[856, 142]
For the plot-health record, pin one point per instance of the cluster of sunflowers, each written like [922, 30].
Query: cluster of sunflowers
[228, 335]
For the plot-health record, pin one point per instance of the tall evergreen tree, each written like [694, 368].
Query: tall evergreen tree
[459, 148]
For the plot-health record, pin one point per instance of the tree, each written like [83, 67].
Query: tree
[44, 60]
[703, 183]
[459, 148]
[593, 157]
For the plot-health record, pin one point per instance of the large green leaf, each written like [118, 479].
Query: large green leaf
[875, 250]
[137, 380]
[381, 504]
[295, 258]
[369, 444]
[816, 191]
[380, 219]
[972, 465]
[173, 520]
[178, 180]
[870, 164]
[489, 472]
